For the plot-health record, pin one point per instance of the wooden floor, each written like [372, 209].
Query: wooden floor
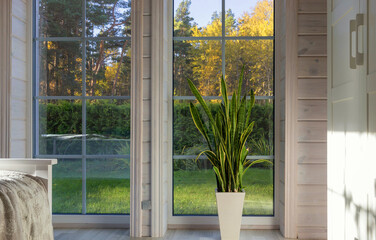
[122, 234]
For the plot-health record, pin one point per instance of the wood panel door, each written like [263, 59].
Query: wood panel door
[371, 108]
[352, 120]
[346, 119]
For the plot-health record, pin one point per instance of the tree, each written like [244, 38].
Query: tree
[61, 61]
[255, 55]
[183, 24]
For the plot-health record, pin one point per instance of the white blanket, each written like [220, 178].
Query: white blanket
[24, 208]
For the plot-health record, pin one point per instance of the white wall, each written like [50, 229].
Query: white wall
[16, 108]
[20, 91]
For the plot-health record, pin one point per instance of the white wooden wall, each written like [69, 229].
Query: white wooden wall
[280, 79]
[20, 94]
[146, 161]
[311, 120]
[5, 26]
[302, 75]
[18, 77]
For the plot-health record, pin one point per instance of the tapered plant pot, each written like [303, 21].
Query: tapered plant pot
[230, 209]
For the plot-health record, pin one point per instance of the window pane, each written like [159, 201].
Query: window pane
[60, 127]
[257, 58]
[195, 184]
[59, 18]
[107, 186]
[249, 18]
[258, 187]
[108, 68]
[194, 188]
[199, 61]
[108, 18]
[189, 141]
[197, 18]
[108, 127]
[261, 140]
[60, 69]
[67, 186]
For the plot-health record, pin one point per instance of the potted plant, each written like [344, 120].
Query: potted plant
[229, 130]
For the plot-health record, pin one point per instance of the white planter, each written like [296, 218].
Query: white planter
[230, 209]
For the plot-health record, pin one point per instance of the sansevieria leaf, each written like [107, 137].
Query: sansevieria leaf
[227, 135]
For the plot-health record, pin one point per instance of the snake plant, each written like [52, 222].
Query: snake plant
[230, 128]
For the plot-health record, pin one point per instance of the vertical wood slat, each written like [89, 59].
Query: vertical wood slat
[137, 120]
[5, 26]
[290, 219]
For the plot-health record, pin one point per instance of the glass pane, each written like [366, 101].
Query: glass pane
[108, 68]
[60, 69]
[60, 127]
[261, 140]
[197, 18]
[107, 186]
[200, 61]
[108, 18]
[187, 139]
[59, 18]
[194, 188]
[249, 18]
[195, 184]
[108, 127]
[257, 57]
[259, 190]
[67, 186]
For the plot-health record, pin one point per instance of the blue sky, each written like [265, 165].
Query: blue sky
[201, 10]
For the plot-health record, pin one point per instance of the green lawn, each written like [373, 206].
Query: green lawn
[194, 191]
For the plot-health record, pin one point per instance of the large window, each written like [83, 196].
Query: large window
[214, 38]
[81, 102]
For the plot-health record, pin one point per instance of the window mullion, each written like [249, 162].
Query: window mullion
[84, 107]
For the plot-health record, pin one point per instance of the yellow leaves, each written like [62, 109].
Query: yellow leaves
[259, 22]
[256, 55]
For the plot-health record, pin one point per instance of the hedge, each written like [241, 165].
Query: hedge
[110, 119]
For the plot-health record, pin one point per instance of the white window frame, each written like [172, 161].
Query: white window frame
[210, 222]
[82, 220]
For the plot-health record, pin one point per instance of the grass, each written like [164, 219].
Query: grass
[194, 192]
[108, 190]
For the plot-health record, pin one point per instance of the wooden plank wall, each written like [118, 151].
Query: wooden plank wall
[146, 163]
[20, 94]
[280, 75]
[167, 109]
[311, 120]
[5, 27]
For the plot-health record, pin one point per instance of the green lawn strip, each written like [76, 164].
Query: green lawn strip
[108, 196]
[104, 195]
[194, 193]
